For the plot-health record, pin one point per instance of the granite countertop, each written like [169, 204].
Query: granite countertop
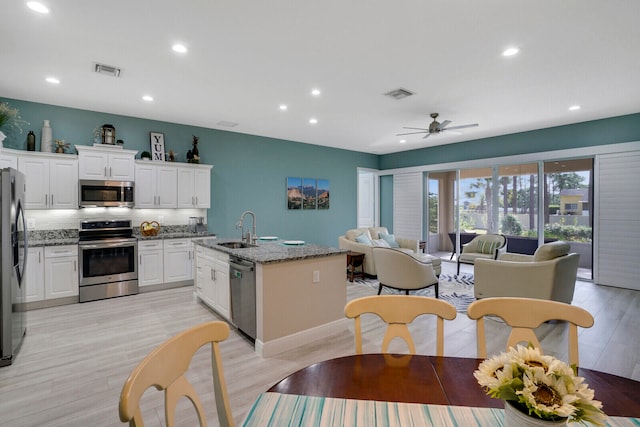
[176, 235]
[273, 251]
[52, 242]
[39, 238]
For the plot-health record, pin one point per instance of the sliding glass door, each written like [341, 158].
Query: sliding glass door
[510, 200]
[568, 213]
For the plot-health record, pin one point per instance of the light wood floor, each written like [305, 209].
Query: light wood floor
[76, 358]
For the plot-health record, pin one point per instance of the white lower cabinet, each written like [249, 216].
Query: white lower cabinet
[164, 261]
[150, 262]
[178, 260]
[61, 271]
[34, 290]
[212, 280]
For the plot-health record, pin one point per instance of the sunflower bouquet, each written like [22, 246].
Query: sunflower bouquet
[540, 386]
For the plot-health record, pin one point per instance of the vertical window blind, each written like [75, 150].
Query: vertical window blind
[618, 220]
[408, 205]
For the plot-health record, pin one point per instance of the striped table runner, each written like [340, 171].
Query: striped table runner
[275, 409]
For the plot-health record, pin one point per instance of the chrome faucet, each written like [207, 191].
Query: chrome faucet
[250, 237]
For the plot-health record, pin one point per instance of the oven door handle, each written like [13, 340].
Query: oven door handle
[106, 245]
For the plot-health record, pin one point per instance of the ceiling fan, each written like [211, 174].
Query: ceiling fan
[437, 127]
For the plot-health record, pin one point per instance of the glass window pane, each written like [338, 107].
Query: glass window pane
[517, 198]
[567, 210]
[476, 201]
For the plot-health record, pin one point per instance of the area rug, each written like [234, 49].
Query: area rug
[455, 289]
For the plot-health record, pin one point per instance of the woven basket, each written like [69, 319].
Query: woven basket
[150, 231]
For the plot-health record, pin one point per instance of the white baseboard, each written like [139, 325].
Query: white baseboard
[289, 342]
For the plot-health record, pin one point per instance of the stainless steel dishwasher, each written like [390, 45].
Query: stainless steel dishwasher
[242, 275]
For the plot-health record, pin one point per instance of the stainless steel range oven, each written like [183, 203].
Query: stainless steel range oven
[107, 259]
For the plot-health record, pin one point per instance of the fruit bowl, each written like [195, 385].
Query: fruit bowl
[150, 228]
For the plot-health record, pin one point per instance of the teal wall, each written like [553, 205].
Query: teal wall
[386, 202]
[586, 134]
[249, 171]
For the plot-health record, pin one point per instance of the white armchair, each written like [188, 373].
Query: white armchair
[402, 271]
[548, 274]
[348, 241]
[484, 246]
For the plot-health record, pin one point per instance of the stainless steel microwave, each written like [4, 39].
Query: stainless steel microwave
[93, 194]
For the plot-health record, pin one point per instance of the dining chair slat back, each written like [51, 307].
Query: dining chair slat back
[524, 315]
[164, 368]
[398, 311]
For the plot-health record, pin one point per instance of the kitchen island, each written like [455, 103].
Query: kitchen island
[300, 290]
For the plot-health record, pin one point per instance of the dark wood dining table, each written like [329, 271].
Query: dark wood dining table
[432, 380]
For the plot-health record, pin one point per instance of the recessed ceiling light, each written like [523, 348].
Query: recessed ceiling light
[147, 98]
[402, 141]
[510, 51]
[283, 107]
[574, 108]
[313, 121]
[315, 92]
[179, 48]
[37, 7]
[52, 80]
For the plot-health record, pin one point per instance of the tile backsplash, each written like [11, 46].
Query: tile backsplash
[70, 218]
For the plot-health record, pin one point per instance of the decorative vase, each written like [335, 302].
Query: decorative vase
[46, 143]
[513, 417]
[2, 137]
[31, 141]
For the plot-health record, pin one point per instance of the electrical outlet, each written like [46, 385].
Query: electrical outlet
[31, 223]
[316, 276]
[161, 219]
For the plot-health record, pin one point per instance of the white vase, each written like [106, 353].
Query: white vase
[46, 143]
[2, 137]
[513, 417]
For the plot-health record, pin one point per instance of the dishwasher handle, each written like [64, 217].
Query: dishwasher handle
[242, 265]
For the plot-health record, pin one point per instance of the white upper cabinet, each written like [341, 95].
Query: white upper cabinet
[156, 185]
[194, 186]
[51, 180]
[100, 163]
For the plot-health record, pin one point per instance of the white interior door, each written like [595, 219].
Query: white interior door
[367, 197]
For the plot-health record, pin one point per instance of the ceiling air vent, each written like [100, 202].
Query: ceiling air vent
[399, 93]
[227, 123]
[107, 70]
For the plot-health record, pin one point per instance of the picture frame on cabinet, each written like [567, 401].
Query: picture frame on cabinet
[156, 139]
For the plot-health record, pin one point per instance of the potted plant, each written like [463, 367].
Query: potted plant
[61, 146]
[10, 120]
[538, 390]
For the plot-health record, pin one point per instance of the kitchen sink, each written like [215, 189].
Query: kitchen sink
[235, 245]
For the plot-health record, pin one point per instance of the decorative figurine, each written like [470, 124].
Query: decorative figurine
[172, 156]
[193, 155]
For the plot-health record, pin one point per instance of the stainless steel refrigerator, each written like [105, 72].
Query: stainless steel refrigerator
[13, 241]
